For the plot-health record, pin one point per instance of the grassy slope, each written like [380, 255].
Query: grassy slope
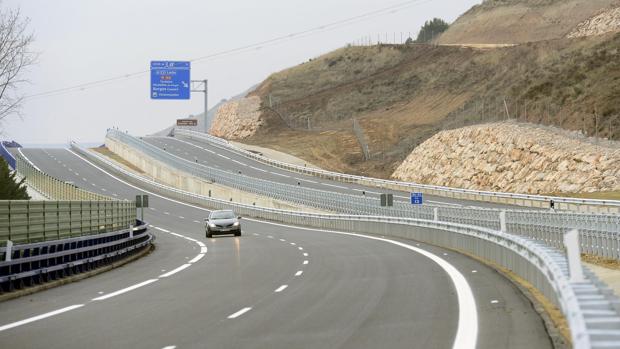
[404, 94]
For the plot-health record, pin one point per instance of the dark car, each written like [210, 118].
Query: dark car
[222, 222]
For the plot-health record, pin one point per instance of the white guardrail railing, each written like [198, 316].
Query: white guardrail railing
[591, 310]
[538, 201]
[599, 232]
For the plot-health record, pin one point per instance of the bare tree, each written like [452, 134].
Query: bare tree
[15, 56]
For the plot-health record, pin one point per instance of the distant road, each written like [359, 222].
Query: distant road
[209, 155]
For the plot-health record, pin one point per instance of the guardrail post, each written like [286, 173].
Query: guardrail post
[571, 242]
[436, 214]
[9, 251]
[502, 221]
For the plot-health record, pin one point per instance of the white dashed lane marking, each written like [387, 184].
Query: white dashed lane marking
[124, 290]
[281, 288]
[239, 313]
[40, 317]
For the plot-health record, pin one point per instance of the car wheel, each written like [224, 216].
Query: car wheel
[209, 234]
[238, 233]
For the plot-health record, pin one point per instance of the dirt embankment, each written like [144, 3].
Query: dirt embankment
[521, 21]
[513, 157]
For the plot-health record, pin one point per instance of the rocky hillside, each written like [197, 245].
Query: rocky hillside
[606, 22]
[237, 119]
[522, 21]
[513, 157]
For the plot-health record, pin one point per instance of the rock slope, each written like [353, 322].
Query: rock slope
[606, 22]
[512, 157]
[237, 119]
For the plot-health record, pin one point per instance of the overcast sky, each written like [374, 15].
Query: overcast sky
[80, 41]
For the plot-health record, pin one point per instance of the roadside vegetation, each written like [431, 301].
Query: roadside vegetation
[10, 187]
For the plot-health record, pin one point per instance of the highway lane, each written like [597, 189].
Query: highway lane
[352, 293]
[209, 155]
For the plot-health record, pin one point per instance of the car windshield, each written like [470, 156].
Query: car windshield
[222, 215]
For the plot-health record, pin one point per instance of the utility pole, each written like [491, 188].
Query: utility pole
[201, 86]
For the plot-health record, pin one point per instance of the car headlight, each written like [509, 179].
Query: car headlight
[211, 225]
[236, 224]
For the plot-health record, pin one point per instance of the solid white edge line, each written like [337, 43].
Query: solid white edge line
[196, 259]
[39, 317]
[124, 290]
[467, 331]
[174, 271]
[239, 313]
[30, 162]
[281, 288]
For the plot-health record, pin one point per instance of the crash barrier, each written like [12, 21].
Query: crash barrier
[51, 187]
[536, 201]
[591, 310]
[10, 159]
[28, 221]
[600, 233]
[26, 265]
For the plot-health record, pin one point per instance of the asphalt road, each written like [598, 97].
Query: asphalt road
[209, 155]
[274, 287]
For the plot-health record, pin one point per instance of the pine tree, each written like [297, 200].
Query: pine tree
[10, 189]
[432, 29]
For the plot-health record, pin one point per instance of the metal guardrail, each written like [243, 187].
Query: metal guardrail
[51, 187]
[592, 312]
[562, 203]
[4, 152]
[600, 232]
[35, 263]
[27, 221]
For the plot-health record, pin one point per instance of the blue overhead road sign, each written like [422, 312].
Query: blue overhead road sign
[416, 198]
[170, 80]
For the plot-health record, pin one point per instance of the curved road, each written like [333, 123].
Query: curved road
[275, 287]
